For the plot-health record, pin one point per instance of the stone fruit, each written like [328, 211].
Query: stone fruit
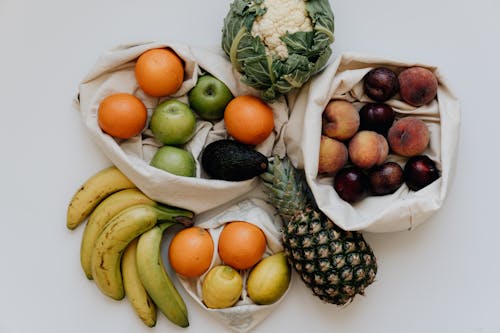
[350, 184]
[376, 117]
[386, 178]
[408, 136]
[380, 84]
[332, 156]
[173, 122]
[417, 86]
[209, 97]
[340, 120]
[190, 252]
[241, 244]
[269, 279]
[175, 160]
[420, 171]
[367, 149]
[221, 287]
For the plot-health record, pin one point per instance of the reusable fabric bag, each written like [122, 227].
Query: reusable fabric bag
[404, 209]
[114, 73]
[245, 314]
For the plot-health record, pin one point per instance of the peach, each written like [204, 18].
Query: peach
[367, 149]
[340, 120]
[408, 136]
[417, 86]
[332, 156]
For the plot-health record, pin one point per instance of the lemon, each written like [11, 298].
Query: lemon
[222, 287]
[269, 279]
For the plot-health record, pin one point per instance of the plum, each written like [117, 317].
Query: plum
[376, 117]
[420, 171]
[380, 84]
[350, 184]
[386, 178]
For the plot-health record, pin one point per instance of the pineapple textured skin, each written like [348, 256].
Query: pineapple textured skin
[334, 263]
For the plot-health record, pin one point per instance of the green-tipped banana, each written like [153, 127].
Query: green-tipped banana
[92, 192]
[101, 215]
[118, 233]
[134, 290]
[155, 278]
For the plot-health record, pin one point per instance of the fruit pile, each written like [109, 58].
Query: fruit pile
[370, 145]
[361, 141]
[120, 247]
[159, 72]
[239, 264]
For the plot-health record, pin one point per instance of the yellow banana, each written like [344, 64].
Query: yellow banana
[118, 233]
[134, 290]
[155, 278]
[93, 191]
[101, 215]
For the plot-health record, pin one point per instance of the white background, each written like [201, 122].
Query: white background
[442, 277]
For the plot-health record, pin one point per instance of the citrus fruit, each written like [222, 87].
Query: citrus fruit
[122, 115]
[222, 287]
[241, 244]
[248, 119]
[190, 252]
[269, 279]
[159, 72]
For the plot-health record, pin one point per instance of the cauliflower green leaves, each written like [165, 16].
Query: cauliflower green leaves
[304, 50]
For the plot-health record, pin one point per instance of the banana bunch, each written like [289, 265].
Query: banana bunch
[120, 247]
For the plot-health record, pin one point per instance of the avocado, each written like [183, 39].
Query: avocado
[232, 160]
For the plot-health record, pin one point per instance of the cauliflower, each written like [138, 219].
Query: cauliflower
[281, 17]
[278, 45]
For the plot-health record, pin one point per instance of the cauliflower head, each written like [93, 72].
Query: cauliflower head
[278, 45]
[281, 17]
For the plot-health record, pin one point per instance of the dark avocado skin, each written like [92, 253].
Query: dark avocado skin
[232, 160]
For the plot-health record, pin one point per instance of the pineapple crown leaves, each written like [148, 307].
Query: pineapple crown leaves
[286, 188]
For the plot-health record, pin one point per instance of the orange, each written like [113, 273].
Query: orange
[159, 72]
[248, 119]
[122, 115]
[190, 252]
[241, 244]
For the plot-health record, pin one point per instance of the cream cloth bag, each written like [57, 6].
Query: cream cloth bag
[404, 209]
[245, 314]
[114, 72]
[215, 202]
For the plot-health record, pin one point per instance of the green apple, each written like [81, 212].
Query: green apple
[175, 160]
[173, 122]
[209, 97]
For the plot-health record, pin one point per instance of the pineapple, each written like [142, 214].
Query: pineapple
[335, 264]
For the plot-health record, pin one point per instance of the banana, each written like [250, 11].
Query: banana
[118, 233]
[101, 215]
[93, 191]
[134, 290]
[156, 280]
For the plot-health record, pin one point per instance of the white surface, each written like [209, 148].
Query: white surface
[441, 277]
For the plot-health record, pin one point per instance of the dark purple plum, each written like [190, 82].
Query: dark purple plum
[350, 184]
[377, 117]
[420, 171]
[386, 178]
[380, 84]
